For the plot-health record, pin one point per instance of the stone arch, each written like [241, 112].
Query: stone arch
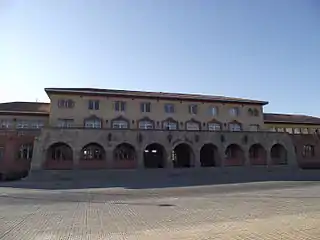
[120, 123]
[182, 156]
[234, 155]
[154, 156]
[93, 151]
[170, 124]
[209, 155]
[279, 154]
[193, 125]
[257, 154]
[59, 155]
[145, 123]
[124, 152]
[235, 126]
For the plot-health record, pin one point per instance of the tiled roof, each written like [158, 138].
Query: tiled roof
[25, 107]
[161, 95]
[290, 118]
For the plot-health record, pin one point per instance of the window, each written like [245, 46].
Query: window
[145, 124]
[65, 103]
[289, 130]
[93, 104]
[193, 109]
[214, 127]
[37, 124]
[304, 130]
[213, 111]
[256, 112]
[120, 124]
[120, 106]
[92, 123]
[250, 112]
[280, 129]
[296, 131]
[254, 127]
[234, 127]
[5, 123]
[145, 107]
[1, 153]
[308, 151]
[25, 151]
[169, 108]
[65, 123]
[193, 126]
[234, 111]
[272, 129]
[170, 125]
[22, 124]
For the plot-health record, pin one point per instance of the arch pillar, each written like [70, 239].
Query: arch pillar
[76, 157]
[196, 160]
[139, 156]
[169, 163]
[246, 157]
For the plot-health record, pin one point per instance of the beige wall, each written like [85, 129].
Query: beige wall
[107, 112]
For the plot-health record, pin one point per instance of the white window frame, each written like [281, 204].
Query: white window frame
[145, 124]
[144, 107]
[22, 124]
[193, 126]
[170, 125]
[304, 130]
[280, 129]
[37, 124]
[272, 129]
[296, 130]
[289, 130]
[234, 127]
[214, 127]
[169, 108]
[95, 104]
[92, 123]
[120, 124]
[213, 111]
[65, 103]
[234, 111]
[193, 109]
[5, 123]
[65, 123]
[121, 106]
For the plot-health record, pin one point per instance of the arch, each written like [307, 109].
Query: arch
[124, 152]
[193, 125]
[154, 156]
[257, 154]
[120, 123]
[234, 155]
[182, 156]
[278, 154]
[145, 123]
[60, 151]
[209, 156]
[235, 126]
[93, 151]
[170, 124]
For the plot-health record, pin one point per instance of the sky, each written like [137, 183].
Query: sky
[264, 50]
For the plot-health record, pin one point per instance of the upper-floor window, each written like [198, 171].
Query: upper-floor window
[193, 109]
[93, 104]
[234, 111]
[6, 123]
[145, 124]
[289, 130]
[308, 151]
[65, 123]
[272, 129]
[296, 131]
[22, 124]
[170, 124]
[37, 124]
[120, 106]
[235, 127]
[214, 126]
[304, 130]
[193, 126]
[145, 107]
[213, 111]
[92, 123]
[280, 129]
[256, 112]
[169, 108]
[120, 124]
[254, 127]
[65, 103]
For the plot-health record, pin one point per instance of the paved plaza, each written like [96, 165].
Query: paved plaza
[266, 210]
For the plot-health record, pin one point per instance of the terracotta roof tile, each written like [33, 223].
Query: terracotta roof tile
[290, 118]
[27, 107]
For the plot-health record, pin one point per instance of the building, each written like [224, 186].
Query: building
[117, 129]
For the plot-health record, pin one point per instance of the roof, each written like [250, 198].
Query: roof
[36, 108]
[155, 95]
[290, 118]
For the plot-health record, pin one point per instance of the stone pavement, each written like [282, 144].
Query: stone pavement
[269, 210]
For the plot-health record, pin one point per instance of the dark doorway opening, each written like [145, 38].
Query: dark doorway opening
[182, 156]
[208, 155]
[154, 156]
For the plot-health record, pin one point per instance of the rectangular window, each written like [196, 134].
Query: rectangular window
[145, 107]
[120, 106]
[65, 123]
[305, 130]
[213, 111]
[193, 126]
[214, 127]
[234, 111]
[22, 124]
[280, 129]
[119, 124]
[272, 129]
[169, 108]
[289, 130]
[93, 104]
[170, 125]
[37, 124]
[92, 123]
[65, 103]
[254, 127]
[296, 131]
[145, 125]
[6, 123]
[193, 109]
[234, 127]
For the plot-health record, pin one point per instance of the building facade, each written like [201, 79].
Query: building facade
[115, 129]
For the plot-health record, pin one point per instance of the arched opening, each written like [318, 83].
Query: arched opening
[234, 155]
[60, 152]
[209, 156]
[93, 151]
[154, 156]
[257, 155]
[182, 156]
[124, 152]
[279, 155]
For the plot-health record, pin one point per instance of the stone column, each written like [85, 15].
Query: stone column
[76, 157]
[109, 158]
[140, 162]
[197, 162]
[247, 157]
[38, 155]
[169, 163]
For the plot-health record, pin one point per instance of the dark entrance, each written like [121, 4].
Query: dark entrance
[182, 156]
[208, 155]
[154, 156]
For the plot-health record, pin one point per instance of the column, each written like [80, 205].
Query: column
[169, 163]
[140, 162]
[197, 162]
[76, 157]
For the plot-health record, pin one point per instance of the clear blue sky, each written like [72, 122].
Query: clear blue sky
[266, 50]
